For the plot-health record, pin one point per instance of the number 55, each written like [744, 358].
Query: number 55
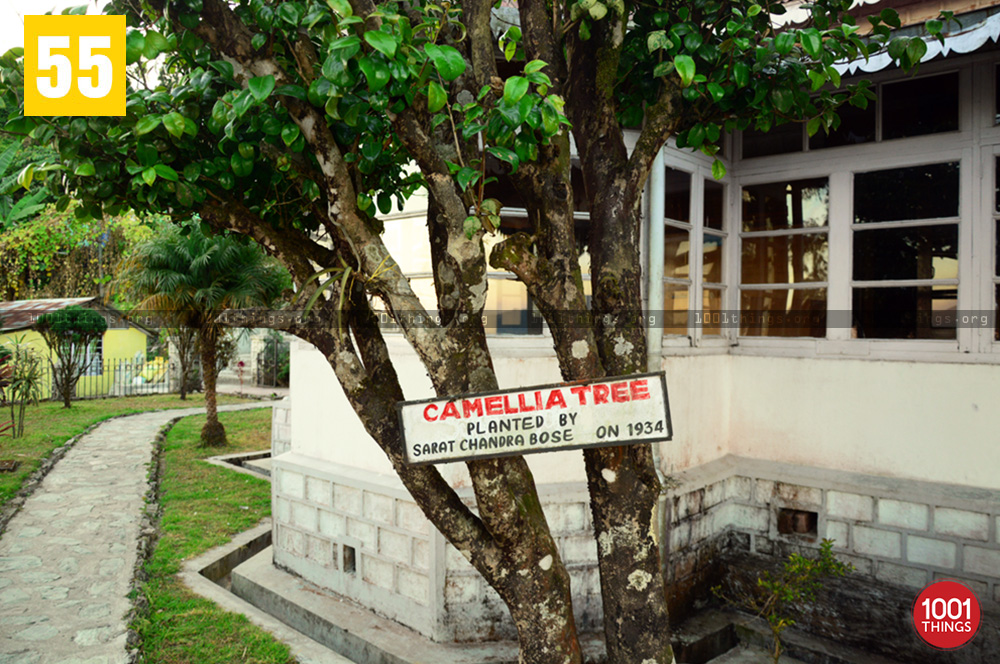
[64, 68]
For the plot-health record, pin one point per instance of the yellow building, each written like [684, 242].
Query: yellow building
[116, 364]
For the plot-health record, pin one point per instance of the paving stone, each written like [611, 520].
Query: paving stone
[67, 556]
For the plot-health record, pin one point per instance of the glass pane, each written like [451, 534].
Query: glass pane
[676, 253]
[780, 140]
[675, 309]
[915, 312]
[996, 185]
[997, 250]
[927, 252]
[857, 125]
[920, 106]
[508, 310]
[915, 192]
[778, 205]
[677, 195]
[996, 95]
[785, 259]
[797, 312]
[714, 204]
[711, 320]
[996, 331]
[712, 259]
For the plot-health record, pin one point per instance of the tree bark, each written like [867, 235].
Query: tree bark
[213, 434]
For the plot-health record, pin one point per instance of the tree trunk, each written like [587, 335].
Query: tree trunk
[213, 434]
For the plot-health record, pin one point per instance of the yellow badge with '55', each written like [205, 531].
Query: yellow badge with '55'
[74, 65]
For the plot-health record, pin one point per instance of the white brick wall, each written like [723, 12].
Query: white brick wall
[982, 561]
[394, 546]
[838, 532]
[937, 553]
[851, 506]
[882, 543]
[347, 499]
[911, 516]
[377, 572]
[414, 585]
[961, 523]
[378, 508]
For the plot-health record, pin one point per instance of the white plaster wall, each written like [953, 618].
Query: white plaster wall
[927, 421]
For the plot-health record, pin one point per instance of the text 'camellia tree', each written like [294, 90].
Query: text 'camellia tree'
[289, 121]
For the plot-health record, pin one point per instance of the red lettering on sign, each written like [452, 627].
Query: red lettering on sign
[494, 405]
[600, 394]
[581, 393]
[639, 389]
[428, 415]
[555, 399]
[473, 406]
[523, 405]
[450, 410]
[619, 392]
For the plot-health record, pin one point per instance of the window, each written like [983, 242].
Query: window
[713, 258]
[677, 281]
[996, 249]
[94, 359]
[905, 260]
[784, 258]
[907, 108]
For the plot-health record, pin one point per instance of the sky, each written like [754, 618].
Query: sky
[12, 11]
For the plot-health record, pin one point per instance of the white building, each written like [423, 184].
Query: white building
[832, 368]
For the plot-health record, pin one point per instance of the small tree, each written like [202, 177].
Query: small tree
[71, 334]
[777, 597]
[190, 278]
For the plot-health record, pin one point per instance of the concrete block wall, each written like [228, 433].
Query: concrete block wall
[281, 427]
[474, 611]
[906, 533]
[359, 535]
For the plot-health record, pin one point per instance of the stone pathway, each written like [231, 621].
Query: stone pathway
[66, 559]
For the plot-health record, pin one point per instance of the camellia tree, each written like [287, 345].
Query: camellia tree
[295, 122]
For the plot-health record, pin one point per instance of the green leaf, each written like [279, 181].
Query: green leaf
[146, 124]
[241, 166]
[244, 100]
[818, 80]
[384, 203]
[510, 50]
[741, 74]
[782, 98]
[342, 7]
[149, 176]
[436, 97]
[192, 172]
[598, 11]
[916, 50]
[812, 42]
[684, 64]
[258, 41]
[514, 88]
[656, 40]
[934, 26]
[663, 68]
[225, 68]
[447, 60]
[290, 13]
[85, 169]
[261, 87]
[784, 42]
[716, 91]
[289, 133]
[381, 42]
[135, 44]
[166, 172]
[505, 154]
[375, 71]
[174, 123]
[26, 175]
[813, 125]
[154, 44]
[534, 65]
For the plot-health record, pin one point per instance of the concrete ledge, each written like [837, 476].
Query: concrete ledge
[357, 633]
[304, 649]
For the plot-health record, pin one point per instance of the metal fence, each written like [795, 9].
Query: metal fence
[119, 377]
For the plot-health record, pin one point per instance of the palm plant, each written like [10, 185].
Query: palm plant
[189, 279]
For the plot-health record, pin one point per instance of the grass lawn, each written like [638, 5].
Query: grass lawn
[203, 507]
[48, 425]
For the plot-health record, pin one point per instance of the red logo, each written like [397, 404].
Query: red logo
[946, 615]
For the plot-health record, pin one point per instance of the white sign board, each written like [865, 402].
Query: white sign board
[610, 411]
